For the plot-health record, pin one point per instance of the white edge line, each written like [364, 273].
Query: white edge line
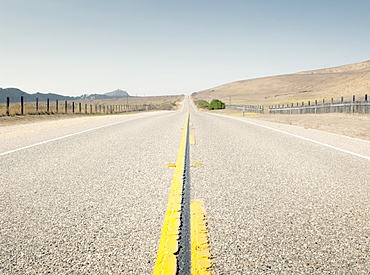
[307, 139]
[62, 137]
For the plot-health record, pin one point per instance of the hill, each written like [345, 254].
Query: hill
[347, 80]
[117, 94]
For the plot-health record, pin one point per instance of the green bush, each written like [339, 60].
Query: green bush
[202, 104]
[165, 106]
[216, 104]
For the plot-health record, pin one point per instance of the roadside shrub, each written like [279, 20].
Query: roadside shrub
[216, 104]
[202, 104]
[166, 106]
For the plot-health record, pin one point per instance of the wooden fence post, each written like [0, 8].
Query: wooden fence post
[37, 104]
[56, 106]
[22, 105]
[353, 103]
[47, 105]
[73, 107]
[7, 106]
[65, 107]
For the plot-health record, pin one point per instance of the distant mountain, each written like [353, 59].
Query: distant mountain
[117, 93]
[15, 94]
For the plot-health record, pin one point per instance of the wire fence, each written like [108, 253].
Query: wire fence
[353, 106]
[247, 108]
[67, 107]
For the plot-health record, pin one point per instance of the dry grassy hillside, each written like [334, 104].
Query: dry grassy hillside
[348, 80]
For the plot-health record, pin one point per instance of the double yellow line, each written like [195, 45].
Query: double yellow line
[166, 262]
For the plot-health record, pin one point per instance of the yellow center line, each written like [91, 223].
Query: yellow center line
[166, 262]
[201, 262]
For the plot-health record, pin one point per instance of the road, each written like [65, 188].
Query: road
[88, 196]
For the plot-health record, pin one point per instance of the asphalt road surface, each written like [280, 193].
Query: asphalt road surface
[89, 197]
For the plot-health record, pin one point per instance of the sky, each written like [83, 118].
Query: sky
[162, 47]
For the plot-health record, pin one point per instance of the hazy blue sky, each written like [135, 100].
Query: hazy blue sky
[158, 47]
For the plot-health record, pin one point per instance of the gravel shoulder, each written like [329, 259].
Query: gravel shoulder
[352, 125]
[16, 120]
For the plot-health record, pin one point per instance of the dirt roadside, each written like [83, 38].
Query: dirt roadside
[352, 125]
[26, 119]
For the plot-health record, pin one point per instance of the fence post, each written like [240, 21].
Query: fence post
[37, 104]
[56, 106]
[47, 105]
[73, 107]
[22, 105]
[79, 107]
[353, 103]
[7, 106]
[366, 97]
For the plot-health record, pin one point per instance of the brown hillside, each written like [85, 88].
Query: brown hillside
[348, 80]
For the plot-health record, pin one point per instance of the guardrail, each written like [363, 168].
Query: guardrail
[247, 108]
[65, 107]
[354, 106]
